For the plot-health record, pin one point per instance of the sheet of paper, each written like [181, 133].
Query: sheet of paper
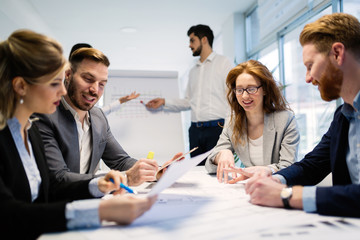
[175, 171]
[197, 206]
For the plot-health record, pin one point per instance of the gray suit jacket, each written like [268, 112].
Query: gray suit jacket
[60, 137]
[280, 142]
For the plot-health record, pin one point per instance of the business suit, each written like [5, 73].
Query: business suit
[280, 142]
[60, 137]
[329, 155]
[21, 218]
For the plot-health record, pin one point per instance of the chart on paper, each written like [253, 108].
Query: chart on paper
[135, 108]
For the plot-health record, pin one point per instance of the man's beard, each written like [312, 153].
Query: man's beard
[73, 94]
[197, 52]
[330, 83]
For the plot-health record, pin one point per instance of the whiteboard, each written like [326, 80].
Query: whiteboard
[137, 129]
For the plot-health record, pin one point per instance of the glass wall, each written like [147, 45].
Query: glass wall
[312, 113]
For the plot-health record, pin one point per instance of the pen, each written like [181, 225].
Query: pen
[123, 186]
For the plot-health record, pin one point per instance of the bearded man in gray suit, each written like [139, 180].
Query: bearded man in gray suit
[78, 134]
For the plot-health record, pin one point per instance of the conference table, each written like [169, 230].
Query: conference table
[197, 206]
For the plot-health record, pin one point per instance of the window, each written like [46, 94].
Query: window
[352, 7]
[269, 56]
[252, 30]
[312, 113]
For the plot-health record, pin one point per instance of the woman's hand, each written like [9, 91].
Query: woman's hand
[224, 159]
[245, 173]
[124, 209]
[106, 185]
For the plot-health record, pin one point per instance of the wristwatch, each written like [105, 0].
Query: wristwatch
[286, 194]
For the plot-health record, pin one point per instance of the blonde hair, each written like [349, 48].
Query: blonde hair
[29, 55]
[336, 27]
[273, 98]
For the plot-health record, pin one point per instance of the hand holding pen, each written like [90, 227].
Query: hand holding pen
[111, 182]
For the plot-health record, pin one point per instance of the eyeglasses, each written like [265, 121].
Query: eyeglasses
[249, 90]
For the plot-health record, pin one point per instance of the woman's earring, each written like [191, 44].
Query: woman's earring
[21, 100]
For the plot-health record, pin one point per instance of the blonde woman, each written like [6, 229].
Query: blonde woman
[31, 201]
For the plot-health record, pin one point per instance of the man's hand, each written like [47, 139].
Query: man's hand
[266, 191]
[160, 173]
[144, 170]
[155, 103]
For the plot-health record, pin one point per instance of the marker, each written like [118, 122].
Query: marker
[141, 101]
[150, 155]
[123, 186]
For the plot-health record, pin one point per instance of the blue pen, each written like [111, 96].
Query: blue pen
[123, 186]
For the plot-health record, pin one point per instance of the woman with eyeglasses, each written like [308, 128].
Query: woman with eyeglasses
[32, 202]
[261, 131]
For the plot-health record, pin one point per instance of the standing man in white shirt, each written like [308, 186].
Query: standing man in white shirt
[205, 94]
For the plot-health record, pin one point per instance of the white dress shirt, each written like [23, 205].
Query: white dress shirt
[84, 137]
[112, 107]
[206, 90]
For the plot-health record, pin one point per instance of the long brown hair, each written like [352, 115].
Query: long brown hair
[273, 99]
[28, 55]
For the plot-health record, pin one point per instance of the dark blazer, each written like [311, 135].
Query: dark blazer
[343, 198]
[21, 218]
[60, 136]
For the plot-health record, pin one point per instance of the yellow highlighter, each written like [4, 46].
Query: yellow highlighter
[150, 155]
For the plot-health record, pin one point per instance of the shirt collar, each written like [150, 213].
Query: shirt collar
[356, 102]
[348, 110]
[210, 58]
[13, 123]
[73, 111]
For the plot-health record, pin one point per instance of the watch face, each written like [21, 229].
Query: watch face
[285, 193]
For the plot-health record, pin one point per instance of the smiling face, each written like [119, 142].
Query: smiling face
[251, 103]
[44, 98]
[322, 73]
[86, 85]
